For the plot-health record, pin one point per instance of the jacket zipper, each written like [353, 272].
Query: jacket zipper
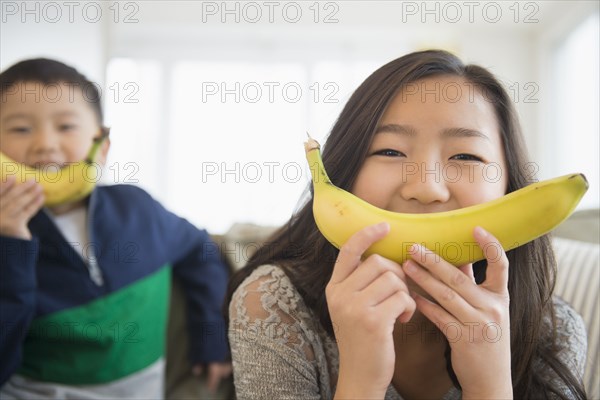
[92, 264]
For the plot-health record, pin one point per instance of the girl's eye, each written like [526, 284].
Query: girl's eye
[466, 157]
[389, 153]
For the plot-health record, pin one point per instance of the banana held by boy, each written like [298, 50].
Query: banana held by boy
[61, 185]
[515, 219]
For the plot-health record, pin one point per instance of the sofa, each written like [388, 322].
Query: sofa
[577, 247]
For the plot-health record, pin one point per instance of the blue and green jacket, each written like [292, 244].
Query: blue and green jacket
[64, 320]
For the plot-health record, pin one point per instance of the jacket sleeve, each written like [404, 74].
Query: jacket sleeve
[17, 299]
[197, 263]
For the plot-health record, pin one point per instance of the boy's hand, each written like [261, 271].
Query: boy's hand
[18, 204]
[216, 372]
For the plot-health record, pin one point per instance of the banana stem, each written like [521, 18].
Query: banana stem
[91, 157]
[311, 145]
[315, 163]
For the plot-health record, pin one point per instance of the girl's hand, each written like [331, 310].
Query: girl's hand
[18, 204]
[365, 299]
[474, 318]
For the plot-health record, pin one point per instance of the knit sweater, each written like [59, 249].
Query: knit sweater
[281, 351]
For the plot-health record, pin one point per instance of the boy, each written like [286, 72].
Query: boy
[84, 285]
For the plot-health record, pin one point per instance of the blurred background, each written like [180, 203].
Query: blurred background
[209, 101]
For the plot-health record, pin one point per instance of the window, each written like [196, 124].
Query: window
[133, 112]
[221, 142]
[576, 77]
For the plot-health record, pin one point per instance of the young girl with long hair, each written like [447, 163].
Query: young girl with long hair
[309, 321]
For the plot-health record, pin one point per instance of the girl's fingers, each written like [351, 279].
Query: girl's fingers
[436, 314]
[370, 269]
[400, 304]
[496, 276]
[467, 269]
[445, 295]
[452, 277]
[352, 251]
[386, 285]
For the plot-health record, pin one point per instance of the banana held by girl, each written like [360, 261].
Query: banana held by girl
[61, 185]
[515, 219]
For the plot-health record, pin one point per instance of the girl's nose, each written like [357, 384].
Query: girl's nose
[425, 183]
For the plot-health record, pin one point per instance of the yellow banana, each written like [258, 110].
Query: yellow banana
[63, 185]
[514, 219]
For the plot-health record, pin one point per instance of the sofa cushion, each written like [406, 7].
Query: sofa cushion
[242, 240]
[577, 282]
[179, 381]
[583, 225]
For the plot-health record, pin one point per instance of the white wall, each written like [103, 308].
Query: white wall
[74, 34]
[516, 45]
[508, 44]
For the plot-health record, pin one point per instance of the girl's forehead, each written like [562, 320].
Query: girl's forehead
[441, 88]
[447, 96]
[448, 107]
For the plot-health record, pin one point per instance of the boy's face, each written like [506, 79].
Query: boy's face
[42, 125]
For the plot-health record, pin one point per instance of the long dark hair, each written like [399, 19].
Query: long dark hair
[307, 258]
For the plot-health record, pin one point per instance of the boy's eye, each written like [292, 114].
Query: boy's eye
[466, 157]
[20, 129]
[67, 127]
[389, 153]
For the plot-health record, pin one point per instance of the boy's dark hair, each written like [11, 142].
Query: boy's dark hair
[47, 71]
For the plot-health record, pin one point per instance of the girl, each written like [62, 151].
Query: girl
[309, 321]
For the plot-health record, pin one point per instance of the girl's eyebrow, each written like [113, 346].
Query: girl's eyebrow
[408, 130]
[463, 132]
[395, 128]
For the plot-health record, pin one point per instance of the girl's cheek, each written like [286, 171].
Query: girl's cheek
[482, 185]
[373, 189]
[493, 181]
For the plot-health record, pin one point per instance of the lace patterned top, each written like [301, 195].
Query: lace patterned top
[281, 351]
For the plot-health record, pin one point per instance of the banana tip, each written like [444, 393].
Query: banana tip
[581, 178]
